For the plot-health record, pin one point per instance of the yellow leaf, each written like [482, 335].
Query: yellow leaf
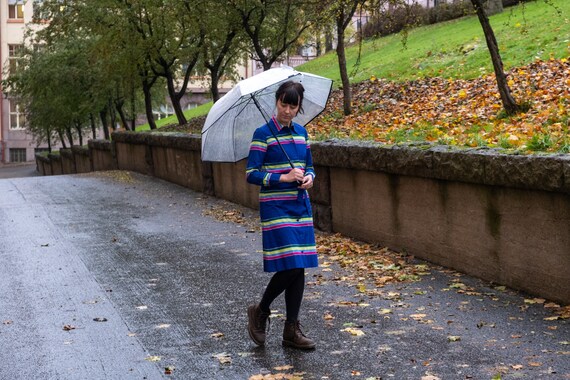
[153, 358]
[353, 331]
[283, 368]
[552, 318]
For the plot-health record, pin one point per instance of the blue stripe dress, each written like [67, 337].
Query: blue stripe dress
[285, 210]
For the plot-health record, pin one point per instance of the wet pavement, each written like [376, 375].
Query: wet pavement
[115, 275]
[27, 169]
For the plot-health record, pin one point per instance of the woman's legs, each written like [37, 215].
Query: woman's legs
[292, 282]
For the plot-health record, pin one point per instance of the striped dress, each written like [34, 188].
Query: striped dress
[285, 210]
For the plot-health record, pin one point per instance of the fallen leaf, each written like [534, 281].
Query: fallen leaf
[68, 327]
[534, 301]
[162, 326]
[153, 358]
[353, 331]
[283, 368]
[453, 338]
[217, 335]
[223, 358]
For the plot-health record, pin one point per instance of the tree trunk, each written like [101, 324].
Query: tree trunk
[341, 54]
[79, 133]
[62, 139]
[49, 140]
[93, 126]
[122, 116]
[214, 86]
[148, 104]
[133, 108]
[113, 115]
[103, 116]
[69, 135]
[175, 100]
[509, 104]
[328, 40]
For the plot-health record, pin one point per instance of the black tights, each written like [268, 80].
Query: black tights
[291, 281]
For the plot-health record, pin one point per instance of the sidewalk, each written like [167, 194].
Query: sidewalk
[172, 272]
[17, 170]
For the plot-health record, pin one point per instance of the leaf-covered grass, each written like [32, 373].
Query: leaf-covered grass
[463, 113]
[457, 49]
[440, 86]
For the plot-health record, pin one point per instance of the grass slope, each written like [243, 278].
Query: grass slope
[457, 49]
[452, 50]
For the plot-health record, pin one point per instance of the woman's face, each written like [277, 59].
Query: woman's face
[286, 112]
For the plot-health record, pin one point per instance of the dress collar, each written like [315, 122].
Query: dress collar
[279, 126]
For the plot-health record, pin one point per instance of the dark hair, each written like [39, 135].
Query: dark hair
[291, 93]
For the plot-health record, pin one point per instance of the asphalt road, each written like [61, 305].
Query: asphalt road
[115, 275]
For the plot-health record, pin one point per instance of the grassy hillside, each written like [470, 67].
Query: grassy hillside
[460, 106]
[457, 49]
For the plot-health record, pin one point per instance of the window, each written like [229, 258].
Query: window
[16, 9]
[17, 117]
[14, 55]
[165, 111]
[18, 155]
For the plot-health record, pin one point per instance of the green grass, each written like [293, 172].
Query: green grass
[457, 49]
[192, 113]
[453, 49]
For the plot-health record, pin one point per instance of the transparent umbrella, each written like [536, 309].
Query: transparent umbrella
[230, 124]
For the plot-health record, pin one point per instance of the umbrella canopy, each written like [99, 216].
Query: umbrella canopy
[230, 124]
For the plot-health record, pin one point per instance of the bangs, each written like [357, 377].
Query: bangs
[290, 96]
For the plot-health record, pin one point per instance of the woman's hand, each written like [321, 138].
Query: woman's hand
[298, 175]
[307, 182]
[295, 175]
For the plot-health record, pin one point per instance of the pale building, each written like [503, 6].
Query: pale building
[15, 144]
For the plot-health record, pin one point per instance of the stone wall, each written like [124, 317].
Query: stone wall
[67, 161]
[82, 158]
[503, 218]
[102, 153]
[55, 160]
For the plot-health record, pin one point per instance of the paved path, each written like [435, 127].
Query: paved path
[18, 170]
[118, 276]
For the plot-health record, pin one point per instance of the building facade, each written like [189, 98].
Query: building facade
[16, 145]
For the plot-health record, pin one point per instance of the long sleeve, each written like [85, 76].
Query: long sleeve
[257, 151]
[309, 169]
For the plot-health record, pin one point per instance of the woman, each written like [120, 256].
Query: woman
[285, 210]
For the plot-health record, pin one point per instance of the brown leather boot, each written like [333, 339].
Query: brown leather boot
[257, 324]
[294, 337]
